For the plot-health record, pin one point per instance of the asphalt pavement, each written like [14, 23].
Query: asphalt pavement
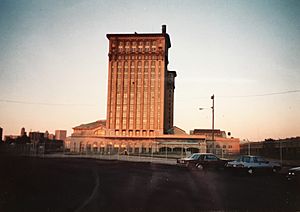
[72, 184]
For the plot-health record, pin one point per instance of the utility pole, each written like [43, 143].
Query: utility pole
[213, 120]
[280, 147]
[166, 151]
[249, 148]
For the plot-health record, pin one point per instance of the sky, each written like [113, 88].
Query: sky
[54, 63]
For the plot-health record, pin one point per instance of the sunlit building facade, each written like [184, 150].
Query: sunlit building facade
[140, 87]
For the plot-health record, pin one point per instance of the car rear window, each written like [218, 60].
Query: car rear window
[246, 159]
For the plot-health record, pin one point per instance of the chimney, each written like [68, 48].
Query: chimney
[164, 29]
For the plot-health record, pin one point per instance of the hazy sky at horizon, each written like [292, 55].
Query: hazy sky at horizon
[54, 62]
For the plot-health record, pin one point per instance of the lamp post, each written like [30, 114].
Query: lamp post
[213, 119]
[280, 147]
[249, 148]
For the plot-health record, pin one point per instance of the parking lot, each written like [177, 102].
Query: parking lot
[71, 184]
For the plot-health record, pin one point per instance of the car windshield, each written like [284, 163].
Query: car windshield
[195, 156]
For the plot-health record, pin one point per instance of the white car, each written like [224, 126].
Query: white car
[294, 174]
[253, 163]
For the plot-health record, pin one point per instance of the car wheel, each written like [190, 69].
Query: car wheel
[199, 167]
[275, 169]
[251, 171]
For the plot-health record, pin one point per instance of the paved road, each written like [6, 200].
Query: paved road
[70, 184]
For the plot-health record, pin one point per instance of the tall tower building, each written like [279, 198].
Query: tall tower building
[140, 87]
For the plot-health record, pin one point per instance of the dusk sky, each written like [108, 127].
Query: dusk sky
[54, 62]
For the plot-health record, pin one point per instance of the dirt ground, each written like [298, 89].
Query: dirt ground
[70, 184]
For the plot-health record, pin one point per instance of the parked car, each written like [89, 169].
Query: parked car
[294, 174]
[202, 161]
[252, 164]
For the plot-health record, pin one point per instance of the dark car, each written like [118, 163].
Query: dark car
[202, 161]
[294, 174]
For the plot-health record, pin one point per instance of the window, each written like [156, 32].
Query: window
[132, 65]
[246, 159]
[195, 156]
[152, 64]
[140, 47]
[211, 158]
[133, 48]
[259, 160]
[153, 46]
[127, 46]
[120, 46]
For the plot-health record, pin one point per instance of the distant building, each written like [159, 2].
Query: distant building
[51, 136]
[221, 144]
[23, 132]
[46, 134]
[1, 134]
[36, 136]
[208, 133]
[60, 135]
[8, 138]
[288, 148]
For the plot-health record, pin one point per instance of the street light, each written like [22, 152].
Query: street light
[249, 148]
[213, 116]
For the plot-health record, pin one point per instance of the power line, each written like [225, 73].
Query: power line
[91, 105]
[43, 103]
[259, 95]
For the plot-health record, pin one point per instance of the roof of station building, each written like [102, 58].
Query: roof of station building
[91, 126]
[141, 35]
